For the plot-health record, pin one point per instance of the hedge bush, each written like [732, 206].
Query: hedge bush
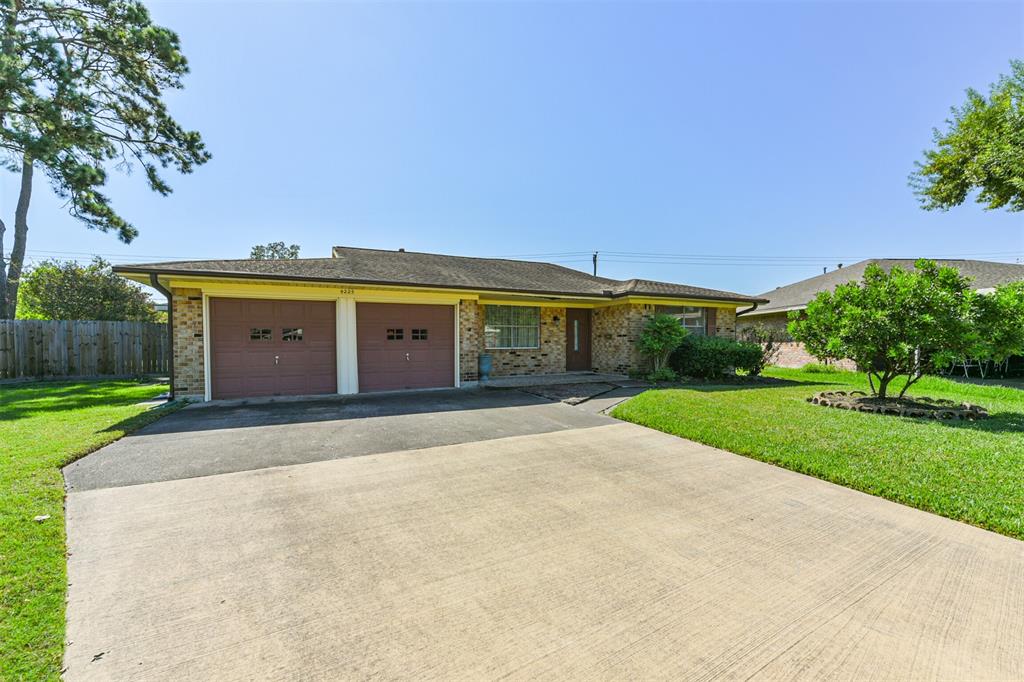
[711, 357]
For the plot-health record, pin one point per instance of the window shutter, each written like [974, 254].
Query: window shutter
[712, 317]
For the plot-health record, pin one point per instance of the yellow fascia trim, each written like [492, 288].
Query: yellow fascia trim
[243, 288]
[247, 290]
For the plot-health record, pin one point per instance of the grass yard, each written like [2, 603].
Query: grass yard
[972, 471]
[43, 427]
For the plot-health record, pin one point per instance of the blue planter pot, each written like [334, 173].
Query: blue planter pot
[484, 364]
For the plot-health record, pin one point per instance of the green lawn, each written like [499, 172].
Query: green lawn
[43, 427]
[972, 471]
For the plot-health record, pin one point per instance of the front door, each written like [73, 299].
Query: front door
[577, 339]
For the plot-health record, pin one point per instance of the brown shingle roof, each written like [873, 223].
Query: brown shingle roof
[984, 274]
[375, 266]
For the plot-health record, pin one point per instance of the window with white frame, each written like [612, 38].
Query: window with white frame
[511, 326]
[693, 319]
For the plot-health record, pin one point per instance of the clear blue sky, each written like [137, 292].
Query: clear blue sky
[751, 131]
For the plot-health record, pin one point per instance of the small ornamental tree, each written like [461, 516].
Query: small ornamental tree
[274, 251]
[660, 337]
[892, 324]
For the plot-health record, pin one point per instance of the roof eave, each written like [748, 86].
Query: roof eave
[772, 311]
[689, 297]
[129, 270]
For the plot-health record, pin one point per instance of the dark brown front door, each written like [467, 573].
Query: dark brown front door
[577, 339]
[267, 347]
[405, 346]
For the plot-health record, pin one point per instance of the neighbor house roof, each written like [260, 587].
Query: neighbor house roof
[984, 275]
[430, 270]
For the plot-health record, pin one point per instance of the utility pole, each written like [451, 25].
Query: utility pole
[595, 264]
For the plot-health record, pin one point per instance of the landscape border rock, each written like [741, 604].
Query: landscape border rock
[918, 407]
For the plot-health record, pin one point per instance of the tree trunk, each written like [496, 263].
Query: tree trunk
[9, 302]
[883, 385]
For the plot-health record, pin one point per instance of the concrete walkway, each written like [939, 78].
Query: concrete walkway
[611, 552]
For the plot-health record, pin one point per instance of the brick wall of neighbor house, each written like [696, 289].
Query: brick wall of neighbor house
[777, 321]
[189, 378]
[791, 353]
[548, 359]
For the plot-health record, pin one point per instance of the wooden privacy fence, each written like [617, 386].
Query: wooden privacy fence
[81, 348]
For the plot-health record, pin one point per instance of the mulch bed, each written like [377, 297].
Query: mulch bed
[920, 407]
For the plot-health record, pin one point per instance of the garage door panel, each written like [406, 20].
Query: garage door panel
[392, 351]
[244, 366]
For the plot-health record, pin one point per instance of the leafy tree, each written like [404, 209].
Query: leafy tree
[56, 290]
[661, 335]
[999, 323]
[274, 251]
[81, 85]
[983, 149]
[892, 324]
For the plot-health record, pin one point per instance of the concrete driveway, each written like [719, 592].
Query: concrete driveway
[600, 551]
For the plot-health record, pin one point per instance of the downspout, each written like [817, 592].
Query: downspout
[154, 282]
[748, 310]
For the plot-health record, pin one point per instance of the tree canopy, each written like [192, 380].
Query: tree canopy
[66, 290]
[892, 324]
[274, 251]
[982, 150]
[81, 86]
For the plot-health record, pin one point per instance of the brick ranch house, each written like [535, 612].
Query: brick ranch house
[373, 320]
[985, 276]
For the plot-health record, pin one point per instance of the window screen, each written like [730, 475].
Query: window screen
[512, 326]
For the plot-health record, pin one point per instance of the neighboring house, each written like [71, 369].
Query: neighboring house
[985, 276]
[372, 320]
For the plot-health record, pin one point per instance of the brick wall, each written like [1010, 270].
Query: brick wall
[471, 334]
[616, 330]
[549, 358]
[725, 322]
[189, 376]
[776, 321]
[793, 354]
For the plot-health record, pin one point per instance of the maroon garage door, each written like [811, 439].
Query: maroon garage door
[405, 346]
[265, 347]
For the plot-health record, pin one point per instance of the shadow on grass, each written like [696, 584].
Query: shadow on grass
[25, 400]
[998, 422]
[746, 386]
